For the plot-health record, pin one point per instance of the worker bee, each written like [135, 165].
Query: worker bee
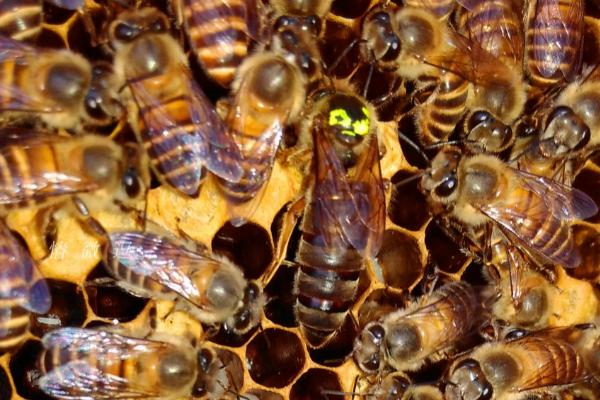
[96, 364]
[567, 134]
[424, 37]
[531, 212]
[269, 94]
[554, 41]
[214, 381]
[344, 219]
[22, 291]
[40, 170]
[405, 339]
[209, 287]
[220, 33]
[169, 113]
[382, 43]
[51, 84]
[516, 369]
[543, 304]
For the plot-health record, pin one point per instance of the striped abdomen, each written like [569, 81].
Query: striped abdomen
[218, 33]
[16, 74]
[23, 170]
[438, 116]
[495, 25]
[547, 235]
[554, 41]
[20, 19]
[326, 282]
[174, 149]
[142, 285]
[107, 359]
[14, 322]
[547, 361]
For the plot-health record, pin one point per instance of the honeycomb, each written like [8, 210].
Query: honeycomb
[272, 362]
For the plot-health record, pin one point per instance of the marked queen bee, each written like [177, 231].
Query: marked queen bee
[530, 215]
[407, 338]
[171, 116]
[344, 219]
[96, 364]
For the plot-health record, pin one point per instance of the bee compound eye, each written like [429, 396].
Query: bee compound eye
[447, 186]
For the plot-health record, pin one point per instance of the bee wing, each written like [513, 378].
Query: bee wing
[562, 200]
[21, 188]
[559, 202]
[370, 200]
[12, 97]
[555, 35]
[79, 380]
[548, 372]
[19, 276]
[466, 59]
[336, 202]
[499, 17]
[160, 259]
[221, 143]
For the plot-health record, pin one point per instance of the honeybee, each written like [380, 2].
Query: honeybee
[567, 135]
[22, 291]
[516, 369]
[530, 213]
[554, 41]
[269, 94]
[169, 113]
[407, 338]
[209, 287]
[424, 37]
[220, 33]
[382, 43]
[51, 84]
[96, 364]
[214, 382]
[543, 304]
[39, 170]
[345, 215]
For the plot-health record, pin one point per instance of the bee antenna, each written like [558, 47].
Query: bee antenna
[343, 54]
[412, 144]
[449, 143]
[410, 179]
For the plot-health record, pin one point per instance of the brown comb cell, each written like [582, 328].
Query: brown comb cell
[275, 357]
